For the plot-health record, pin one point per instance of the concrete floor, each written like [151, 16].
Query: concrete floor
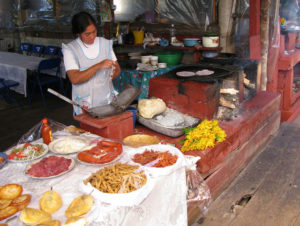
[267, 191]
[15, 121]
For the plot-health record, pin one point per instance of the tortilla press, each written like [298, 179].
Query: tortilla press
[117, 106]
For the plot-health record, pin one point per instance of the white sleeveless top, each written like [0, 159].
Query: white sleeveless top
[98, 90]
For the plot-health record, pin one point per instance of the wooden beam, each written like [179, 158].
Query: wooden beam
[254, 30]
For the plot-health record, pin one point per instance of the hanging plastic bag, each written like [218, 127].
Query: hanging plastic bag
[198, 193]
[35, 132]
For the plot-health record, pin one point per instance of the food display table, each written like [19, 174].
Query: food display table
[165, 204]
[138, 79]
[14, 66]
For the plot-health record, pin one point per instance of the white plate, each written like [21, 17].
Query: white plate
[185, 73]
[45, 146]
[98, 164]
[68, 145]
[71, 166]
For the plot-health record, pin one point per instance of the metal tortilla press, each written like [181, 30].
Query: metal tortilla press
[117, 106]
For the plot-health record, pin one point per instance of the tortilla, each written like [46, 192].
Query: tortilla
[185, 73]
[204, 72]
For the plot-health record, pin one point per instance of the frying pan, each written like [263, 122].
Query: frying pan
[117, 106]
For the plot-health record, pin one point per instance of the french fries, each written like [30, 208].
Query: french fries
[118, 178]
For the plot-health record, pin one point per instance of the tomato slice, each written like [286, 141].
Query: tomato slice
[36, 148]
[21, 154]
[12, 156]
[26, 145]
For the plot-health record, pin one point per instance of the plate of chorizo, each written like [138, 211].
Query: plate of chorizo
[102, 153]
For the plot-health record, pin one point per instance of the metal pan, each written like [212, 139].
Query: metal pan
[117, 106]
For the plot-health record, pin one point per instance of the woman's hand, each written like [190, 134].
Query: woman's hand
[116, 70]
[106, 64]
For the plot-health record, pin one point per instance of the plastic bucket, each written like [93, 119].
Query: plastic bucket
[138, 37]
[133, 110]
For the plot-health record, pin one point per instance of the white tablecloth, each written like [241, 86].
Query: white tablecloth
[165, 205]
[14, 66]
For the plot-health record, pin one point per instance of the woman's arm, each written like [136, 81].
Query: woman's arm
[77, 77]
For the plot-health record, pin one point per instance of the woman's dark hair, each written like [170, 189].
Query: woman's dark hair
[80, 21]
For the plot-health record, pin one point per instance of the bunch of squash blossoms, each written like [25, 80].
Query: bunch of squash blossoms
[203, 136]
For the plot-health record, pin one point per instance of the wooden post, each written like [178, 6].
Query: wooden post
[254, 30]
[264, 29]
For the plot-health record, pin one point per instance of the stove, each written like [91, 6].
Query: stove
[197, 96]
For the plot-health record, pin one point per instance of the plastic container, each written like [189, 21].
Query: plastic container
[170, 57]
[138, 37]
[191, 41]
[133, 110]
[154, 60]
[46, 132]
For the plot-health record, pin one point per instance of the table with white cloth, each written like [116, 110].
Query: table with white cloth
[164, 205]
[14, 66]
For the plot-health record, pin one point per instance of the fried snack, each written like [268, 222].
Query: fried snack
[117, 178]
[32, 216]
[79, 206]
[21, 202]
[22, 199]
[50, 202]
[10, 191]
[7, 212]
[4, 203]
[76, 221]
[50, 223]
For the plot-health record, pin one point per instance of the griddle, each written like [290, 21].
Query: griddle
[220, 72]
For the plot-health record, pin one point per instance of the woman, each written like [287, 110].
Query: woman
[90, 63]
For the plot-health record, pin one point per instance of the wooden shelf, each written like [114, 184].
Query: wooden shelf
[171, 47]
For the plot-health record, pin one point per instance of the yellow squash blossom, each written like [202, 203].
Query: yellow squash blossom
[203, 136]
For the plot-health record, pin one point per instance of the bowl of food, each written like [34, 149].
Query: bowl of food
[120, 184]
[139, 140]
[158, 159]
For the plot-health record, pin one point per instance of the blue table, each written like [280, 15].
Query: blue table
[139, 79]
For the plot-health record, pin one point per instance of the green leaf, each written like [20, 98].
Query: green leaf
[182, 141]
[187, 130]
